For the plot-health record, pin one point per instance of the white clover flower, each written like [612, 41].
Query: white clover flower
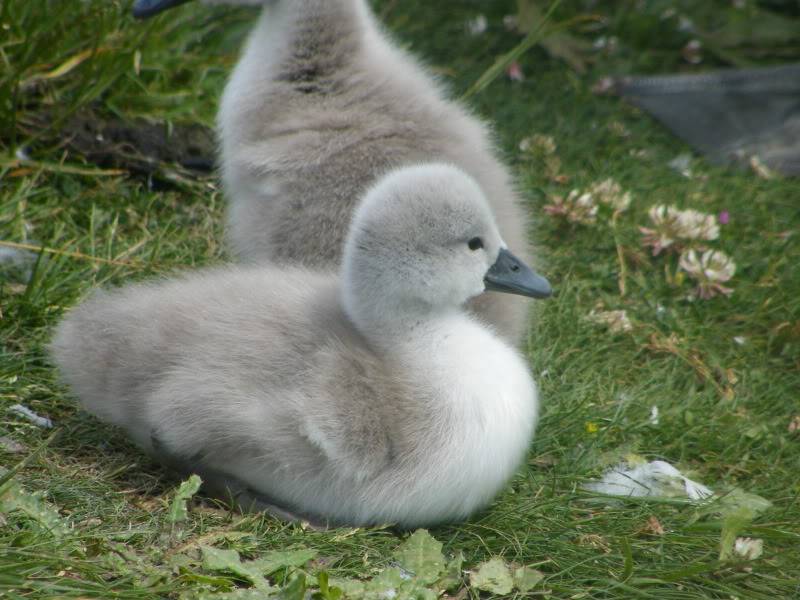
[617, 321]
[694, 225]
[577, 207]
[610, 193]
[664, 234]
[748, 548]
[672, 225]
[710, 269]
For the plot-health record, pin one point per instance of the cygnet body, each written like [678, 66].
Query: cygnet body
[371, 397]
[321, 104]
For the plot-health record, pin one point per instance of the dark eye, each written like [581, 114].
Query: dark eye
[475, 243]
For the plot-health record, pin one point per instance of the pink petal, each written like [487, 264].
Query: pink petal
[514, 72]
[724, 217]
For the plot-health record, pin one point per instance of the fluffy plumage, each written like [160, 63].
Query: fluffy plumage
[366, 398]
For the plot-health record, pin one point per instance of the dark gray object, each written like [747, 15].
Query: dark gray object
[728, 115]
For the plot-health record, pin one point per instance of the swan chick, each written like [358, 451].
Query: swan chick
[321, 104]
[367, 398]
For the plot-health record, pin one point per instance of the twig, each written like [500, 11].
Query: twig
[34, 248]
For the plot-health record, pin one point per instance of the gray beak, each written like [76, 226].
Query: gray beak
[510, 275]
[143, 9]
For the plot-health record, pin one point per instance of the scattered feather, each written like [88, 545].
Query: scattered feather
[31, 416]
[656, 478]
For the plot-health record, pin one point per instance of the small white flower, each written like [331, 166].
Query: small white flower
[654, 420]
[748, 548]
[760, 169]
[617, 321]
[710, 269]
[478, 25]
[610, 193]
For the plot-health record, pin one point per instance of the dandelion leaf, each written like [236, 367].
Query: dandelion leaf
[177, 510]
[493, 576]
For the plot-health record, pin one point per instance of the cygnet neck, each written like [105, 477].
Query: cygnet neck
[391, 322]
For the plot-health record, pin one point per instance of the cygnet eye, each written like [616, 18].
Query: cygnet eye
[475, 243]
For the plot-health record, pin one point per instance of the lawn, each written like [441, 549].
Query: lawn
[710, 385]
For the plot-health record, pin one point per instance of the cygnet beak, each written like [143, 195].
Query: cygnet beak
[510, 275]
[143, 9]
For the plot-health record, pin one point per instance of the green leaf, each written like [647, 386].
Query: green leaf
[187, 489]
[351, 588]
[295, 590]
[216, 559]
[452, 577]
[492, 576]
[279, 559]
[526, 578]
[326, 591]
[14, 498]
[422, 556]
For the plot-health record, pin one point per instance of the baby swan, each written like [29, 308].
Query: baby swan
[320, 105]
[367, 398]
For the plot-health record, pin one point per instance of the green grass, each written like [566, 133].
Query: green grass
[113, 537]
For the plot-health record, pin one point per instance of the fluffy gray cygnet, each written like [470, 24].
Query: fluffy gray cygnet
[321, 104]
[364, 398]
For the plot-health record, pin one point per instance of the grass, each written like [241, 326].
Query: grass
[89, 516]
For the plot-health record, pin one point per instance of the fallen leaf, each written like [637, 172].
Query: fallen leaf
[653, 526]
[492, 576]
[526, 578]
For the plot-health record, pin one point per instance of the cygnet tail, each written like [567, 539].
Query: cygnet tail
[106, 357]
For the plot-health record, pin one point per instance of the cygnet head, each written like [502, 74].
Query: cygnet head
[424, 241]
[142, 9]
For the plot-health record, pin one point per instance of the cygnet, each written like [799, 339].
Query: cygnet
[364, 398]
[321, 104]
